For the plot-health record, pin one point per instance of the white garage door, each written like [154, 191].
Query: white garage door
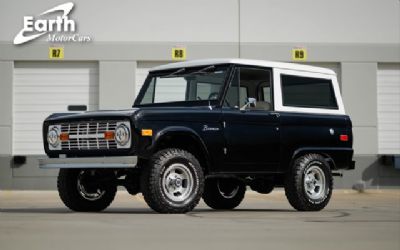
[141, 73]
[389, 109]
[42, 88]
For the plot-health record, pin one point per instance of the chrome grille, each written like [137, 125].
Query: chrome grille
[88, 135]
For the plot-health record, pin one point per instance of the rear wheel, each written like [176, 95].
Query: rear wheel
[86, 190]
[309, 184]
[223, 193]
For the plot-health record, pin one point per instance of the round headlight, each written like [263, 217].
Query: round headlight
[53, 137]
[122, 134]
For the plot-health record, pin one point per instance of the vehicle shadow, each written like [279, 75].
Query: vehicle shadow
[256, 210]
[195, 212]
[67, 211]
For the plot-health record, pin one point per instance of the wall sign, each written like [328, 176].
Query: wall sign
[56, 22]
[56, 53]
[299, 54]
[178, 53]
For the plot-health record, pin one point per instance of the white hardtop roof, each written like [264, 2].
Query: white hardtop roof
[259, 63]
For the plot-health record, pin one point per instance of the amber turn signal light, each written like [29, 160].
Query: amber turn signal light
[109, 135]
[64, 137]
[147, 132]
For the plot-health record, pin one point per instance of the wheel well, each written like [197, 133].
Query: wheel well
[186, 142]
[327, 157]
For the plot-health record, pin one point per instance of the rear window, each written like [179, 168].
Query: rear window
[307, 92]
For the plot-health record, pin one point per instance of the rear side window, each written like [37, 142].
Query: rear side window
[307, 92]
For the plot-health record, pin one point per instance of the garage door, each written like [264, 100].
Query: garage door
[389, 109]
[141, 73]
[42, 88]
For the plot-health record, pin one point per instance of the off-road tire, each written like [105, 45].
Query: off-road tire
[151, 181]
[213, 197]
[294, 184]
[67, 185]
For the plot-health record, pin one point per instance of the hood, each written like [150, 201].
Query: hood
[102, 114]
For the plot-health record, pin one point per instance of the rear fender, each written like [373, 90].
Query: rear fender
[337, 158]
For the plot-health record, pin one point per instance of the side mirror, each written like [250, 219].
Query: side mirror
[251, 102]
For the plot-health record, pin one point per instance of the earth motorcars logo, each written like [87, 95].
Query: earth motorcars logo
[35, 27]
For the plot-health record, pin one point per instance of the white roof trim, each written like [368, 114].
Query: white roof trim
[259, 63]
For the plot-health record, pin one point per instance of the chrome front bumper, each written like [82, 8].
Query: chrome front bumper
[89, 162]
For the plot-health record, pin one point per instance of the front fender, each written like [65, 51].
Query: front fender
[176, 132]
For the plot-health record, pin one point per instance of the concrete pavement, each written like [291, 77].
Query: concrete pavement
[38, 220]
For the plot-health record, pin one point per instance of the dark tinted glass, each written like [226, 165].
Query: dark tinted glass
[307, 92]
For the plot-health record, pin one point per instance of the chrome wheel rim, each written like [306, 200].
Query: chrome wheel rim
[226, 192]
[90, 196]
[177, 182]
[314, 182]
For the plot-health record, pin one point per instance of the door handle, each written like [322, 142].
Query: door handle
[275, 114]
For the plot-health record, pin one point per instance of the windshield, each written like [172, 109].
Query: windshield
[183, 85]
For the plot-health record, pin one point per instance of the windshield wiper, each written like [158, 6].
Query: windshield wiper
[202, 70]
[174, 73]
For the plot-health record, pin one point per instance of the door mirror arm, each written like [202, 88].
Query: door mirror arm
[251, 102]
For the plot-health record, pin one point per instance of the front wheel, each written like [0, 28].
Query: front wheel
[172, 182]
[86, 190]
[223, 193]
[309, 184]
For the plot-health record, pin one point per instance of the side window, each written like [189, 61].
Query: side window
[250, 83]
[307, 92]
[265, 92]
[232, 96]
[243, 95]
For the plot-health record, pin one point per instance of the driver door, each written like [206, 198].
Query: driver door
[251, 131]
